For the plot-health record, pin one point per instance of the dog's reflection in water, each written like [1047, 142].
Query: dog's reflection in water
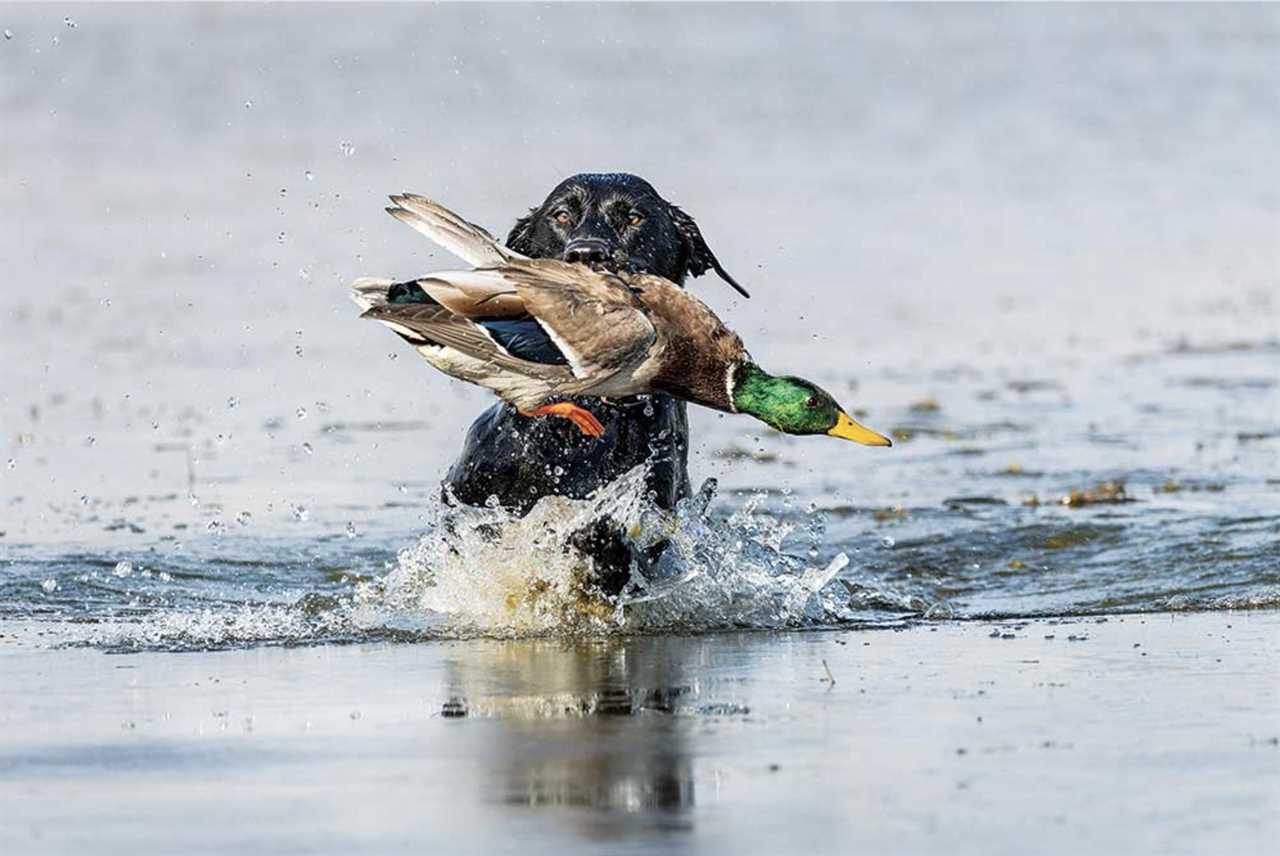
[602, 724]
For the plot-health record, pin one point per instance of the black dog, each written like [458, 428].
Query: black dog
[617, 221]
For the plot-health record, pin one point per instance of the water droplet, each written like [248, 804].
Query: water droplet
[106, 301]
[84, 500]
[90, 440]
[306, 447]
[49, 585]
[299, 512]
[351, 529]
[403, 488]
[248, 104]
[280, 239]
[164, 577]
[123, 569]
[310, 176]
[243, 518]
[301, 413]
[347, 148]
[393, 356]
[284, 191]
[297, 350]
[70, 23]
[232, 402]
[217, 527]
[12, 464]
[887, 542]
[303, 273]
[56, 41]
[355, 714]
[8, 34]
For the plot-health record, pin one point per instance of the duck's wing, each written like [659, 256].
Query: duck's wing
[370, 291]
[478, 313]
[469, 242]
[550, 311]
[479, 350]
[483, 293]
[593, 318]
[526, 329]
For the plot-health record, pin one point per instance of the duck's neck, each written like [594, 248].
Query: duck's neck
[750, 390]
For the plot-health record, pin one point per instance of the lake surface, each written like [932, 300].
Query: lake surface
[1139, 734]
[1040, 246]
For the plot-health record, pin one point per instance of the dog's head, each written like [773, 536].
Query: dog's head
[617, 221]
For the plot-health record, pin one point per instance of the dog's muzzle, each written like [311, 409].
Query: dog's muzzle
[590, 251]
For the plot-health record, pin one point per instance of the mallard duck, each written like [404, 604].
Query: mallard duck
[539, 331]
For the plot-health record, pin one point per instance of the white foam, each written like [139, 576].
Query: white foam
[491, 572]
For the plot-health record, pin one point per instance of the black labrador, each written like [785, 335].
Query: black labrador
[616, 221]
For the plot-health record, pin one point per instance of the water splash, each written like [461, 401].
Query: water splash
[485, 570]
[488, 572]
[762, 563]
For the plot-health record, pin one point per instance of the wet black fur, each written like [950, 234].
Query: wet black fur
[520, 460]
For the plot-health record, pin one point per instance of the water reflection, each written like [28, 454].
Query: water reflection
[603, 725]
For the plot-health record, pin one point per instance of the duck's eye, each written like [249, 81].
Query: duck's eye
[811, 403]
[562, 217]
[635, 218]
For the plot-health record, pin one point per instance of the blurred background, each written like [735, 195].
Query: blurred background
[1039, 243]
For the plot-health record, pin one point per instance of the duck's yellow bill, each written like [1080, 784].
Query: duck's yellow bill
[847, 429]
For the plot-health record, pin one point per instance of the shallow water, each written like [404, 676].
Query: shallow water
[1145, 734]
[1040, 246]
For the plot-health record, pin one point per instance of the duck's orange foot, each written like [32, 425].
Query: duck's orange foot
[579, 416]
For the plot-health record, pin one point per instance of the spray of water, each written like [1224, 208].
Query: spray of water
[488, 571]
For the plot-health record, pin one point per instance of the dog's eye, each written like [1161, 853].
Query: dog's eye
[562, 217]
[811, 403]
[635, 218]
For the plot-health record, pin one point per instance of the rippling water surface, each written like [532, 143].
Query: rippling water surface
[1039, 246]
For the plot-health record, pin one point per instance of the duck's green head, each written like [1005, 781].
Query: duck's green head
[795, 406]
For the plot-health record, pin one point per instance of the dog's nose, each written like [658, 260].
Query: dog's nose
[587, 250]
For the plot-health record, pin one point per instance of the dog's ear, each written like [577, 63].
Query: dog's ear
[699, 258]
[520, 238]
